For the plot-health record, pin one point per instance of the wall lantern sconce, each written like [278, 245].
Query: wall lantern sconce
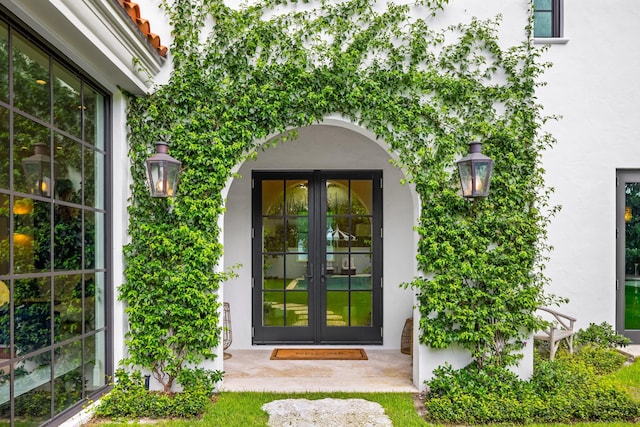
[628, 214]
[163, 171]
[475, 172]
[37, 170]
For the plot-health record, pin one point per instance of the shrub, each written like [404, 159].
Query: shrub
[472, 395]
[130, 398]
[601, 335]
[601, 360]
[563, 390]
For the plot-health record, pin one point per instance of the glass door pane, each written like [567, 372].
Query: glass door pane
[632, 256]
[628, 254]
[349, 211]
[284, 257]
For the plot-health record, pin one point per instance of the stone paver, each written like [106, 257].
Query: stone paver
[326, 413]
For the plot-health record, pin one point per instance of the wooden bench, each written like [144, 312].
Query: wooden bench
[560, 329]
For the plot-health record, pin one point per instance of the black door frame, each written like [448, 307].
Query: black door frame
[316, 332]
[623, 177]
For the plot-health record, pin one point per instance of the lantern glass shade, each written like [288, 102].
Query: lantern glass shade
[475, 172]
[162, 172]
[628, 214]
[37, 171]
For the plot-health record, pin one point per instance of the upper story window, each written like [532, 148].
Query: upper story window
[547, 18]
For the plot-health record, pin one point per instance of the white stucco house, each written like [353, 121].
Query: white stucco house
[90, 49]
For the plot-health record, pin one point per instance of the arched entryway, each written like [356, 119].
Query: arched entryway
[333, 147]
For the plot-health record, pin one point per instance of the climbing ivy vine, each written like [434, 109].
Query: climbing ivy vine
[241, 75]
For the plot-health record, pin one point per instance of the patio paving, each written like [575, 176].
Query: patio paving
[631, 350]
[252, 370]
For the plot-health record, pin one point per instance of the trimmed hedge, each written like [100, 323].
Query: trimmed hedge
[130, 398]
[568, 389]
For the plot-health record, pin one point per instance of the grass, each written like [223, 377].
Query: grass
[243, 409]
[629, 377]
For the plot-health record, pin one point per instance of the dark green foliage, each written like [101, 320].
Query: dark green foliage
[601, 335]
[565, 390]
[130, 399]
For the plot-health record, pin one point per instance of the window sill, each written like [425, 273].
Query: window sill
[550, 40]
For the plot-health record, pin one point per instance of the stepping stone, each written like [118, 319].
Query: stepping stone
[326, 413]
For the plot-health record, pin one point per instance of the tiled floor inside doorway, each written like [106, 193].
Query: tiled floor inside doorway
[252, 370]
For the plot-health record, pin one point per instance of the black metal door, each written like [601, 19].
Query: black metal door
[317, 257]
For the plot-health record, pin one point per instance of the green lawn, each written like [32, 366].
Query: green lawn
[244, 409]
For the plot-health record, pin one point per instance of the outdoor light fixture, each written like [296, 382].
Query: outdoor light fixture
[162, 171]
[475, 172]
[628, 214]
[37, 170]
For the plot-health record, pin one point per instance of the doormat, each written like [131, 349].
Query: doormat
[319, 354]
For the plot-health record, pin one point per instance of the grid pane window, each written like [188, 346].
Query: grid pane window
[53, 152]
[547, 18]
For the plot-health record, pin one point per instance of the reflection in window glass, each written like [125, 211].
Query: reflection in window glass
[5, 403]
[337, 308]
[4, 148]
[32, 311]
[33, 389]
[31, 79]
[297, 234]
[273, 234]
[4, 63]
[297, 308]
[67, 107]
[272, 197]
[97, 290]
[94, 359]
[91, 172]
[68, 169]
[542, 24]
[94, 240]
[297, 197]
[93, 108]
[67, 292]
[32, 239]
[67, 234]
[295, 270]
[273, 309]
[31, 157]
[338, 197]
[67, 374]
[361, 308]
[4, 235]
[273, 272]
[5, 337]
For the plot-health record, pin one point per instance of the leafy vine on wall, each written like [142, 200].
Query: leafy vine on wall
[243, 74]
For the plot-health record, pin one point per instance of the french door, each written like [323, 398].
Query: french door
[317, 257]
[628, 254]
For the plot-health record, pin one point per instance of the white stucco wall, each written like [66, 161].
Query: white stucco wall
[329, 146]
[594, 85]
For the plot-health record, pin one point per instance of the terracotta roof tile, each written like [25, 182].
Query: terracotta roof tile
[133, 10]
